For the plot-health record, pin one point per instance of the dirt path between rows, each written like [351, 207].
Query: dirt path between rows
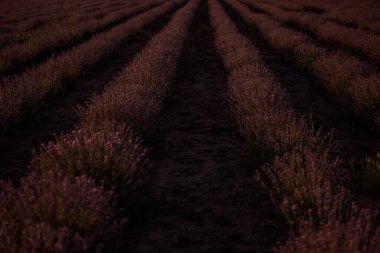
[309, 97]
[201, 197]
[58, 114]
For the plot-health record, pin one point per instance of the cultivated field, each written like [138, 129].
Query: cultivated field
[190, 126]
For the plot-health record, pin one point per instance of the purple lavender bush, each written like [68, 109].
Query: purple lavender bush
[358, 235]
[50, 212]
[105, 152]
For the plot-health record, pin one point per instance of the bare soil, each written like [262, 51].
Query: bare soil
[59, 114]
[201, 195]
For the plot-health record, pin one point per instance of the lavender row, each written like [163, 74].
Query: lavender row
[303, 177]
[21, 29]
[15, 21]
[355, 83]
[359, 14]
[20, 95]
[12, 14]
[355, 39]
[75, 183]
[60, 37]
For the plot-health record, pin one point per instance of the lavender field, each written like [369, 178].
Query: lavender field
[190, 126]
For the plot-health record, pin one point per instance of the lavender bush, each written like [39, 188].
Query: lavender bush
[358, 235]
[303, 187]
[50, 212]
[105, 152]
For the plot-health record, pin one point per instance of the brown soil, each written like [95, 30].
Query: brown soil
[306, 8]
[201, 195]
[309, 97]
[58, 114]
